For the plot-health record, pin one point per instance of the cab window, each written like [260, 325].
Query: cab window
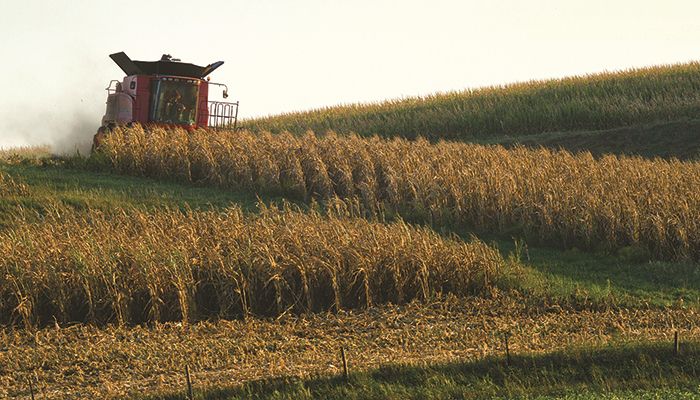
[174, 101]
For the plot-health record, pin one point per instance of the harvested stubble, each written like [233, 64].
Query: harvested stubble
[114, 362]
[600, 101]
[552, 196]
[131, 266]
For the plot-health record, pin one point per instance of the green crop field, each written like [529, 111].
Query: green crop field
[587, 103]
[469, 263]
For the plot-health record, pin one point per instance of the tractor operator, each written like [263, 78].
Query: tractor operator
[174, 107]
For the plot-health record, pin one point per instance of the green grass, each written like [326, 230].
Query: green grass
[653, 394]
[50, 181]
[600, 280]
[594, 102]
[618, 371]
[594, 279]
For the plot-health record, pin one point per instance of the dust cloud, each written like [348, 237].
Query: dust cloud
[66, 128]
[59, 106]
[76, 136]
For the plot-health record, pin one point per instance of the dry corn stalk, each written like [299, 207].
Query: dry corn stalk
[10, 186]
[552, 196]
[131, 266]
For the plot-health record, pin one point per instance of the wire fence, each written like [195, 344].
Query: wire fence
[37, 389]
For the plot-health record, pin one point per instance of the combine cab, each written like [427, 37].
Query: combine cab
[166, 93]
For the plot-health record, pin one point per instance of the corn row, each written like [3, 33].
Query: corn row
[552, 196]
[129, 266]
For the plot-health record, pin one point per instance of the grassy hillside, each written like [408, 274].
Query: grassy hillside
[594, 102]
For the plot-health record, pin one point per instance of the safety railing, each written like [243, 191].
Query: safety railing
[223, 115]
[113, 87]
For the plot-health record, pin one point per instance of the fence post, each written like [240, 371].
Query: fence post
[345, 363]
[507, 334]
[676, 344]
[40, 389]
[189, 382]
[31, 387]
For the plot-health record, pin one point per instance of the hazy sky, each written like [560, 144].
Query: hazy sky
[292, 55]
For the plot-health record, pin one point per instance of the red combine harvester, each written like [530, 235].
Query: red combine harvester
[166, 92]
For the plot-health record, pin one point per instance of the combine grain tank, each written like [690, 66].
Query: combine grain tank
[166, 92]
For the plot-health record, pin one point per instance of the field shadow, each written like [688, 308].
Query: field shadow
[677, 139]
[621, 367]
[612, 278]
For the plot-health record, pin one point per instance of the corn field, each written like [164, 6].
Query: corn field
[551, 196]
[600, 101]
[130, 266]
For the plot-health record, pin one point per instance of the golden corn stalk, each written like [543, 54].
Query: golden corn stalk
[10, 186]
[572, 200]
[131, 266]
